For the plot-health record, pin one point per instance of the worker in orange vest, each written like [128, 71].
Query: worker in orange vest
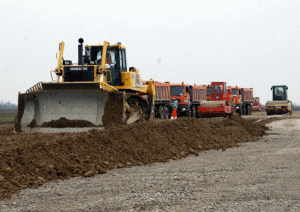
[174, 109]
[108, 59]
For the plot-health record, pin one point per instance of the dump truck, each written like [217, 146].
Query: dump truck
[256, 104]
[97, 91]
[280, 103]
[243, 99]
[221, 102]
[188, 98]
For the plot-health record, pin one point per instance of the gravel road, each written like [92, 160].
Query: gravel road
[260, 176]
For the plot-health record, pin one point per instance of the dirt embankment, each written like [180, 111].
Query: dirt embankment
[28, 161]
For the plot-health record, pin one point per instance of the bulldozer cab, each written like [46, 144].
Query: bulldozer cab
[279, 92]
[115, 61]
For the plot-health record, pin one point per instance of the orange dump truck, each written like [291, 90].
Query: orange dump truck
[162, 100]
[188, 97]
[256, 104]
[243, 99]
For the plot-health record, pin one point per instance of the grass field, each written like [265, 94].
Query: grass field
[7, 116]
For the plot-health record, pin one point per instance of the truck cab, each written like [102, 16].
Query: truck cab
[237, 97]
[182, 93]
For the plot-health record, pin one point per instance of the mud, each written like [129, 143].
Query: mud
[28, 161]
[63, 122]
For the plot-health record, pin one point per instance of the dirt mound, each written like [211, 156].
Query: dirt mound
[6, 129]
[28, 161]
[114, 109]
[63, 122]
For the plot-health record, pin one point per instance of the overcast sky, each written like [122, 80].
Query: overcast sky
[250, 43]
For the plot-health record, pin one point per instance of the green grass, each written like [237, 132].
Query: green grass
[7, 115]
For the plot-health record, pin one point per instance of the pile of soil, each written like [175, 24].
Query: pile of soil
[6, 129]
[28, 161]
[114, 109]
[63, 122]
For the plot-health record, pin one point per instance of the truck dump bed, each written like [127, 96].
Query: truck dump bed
[162, 92]
[247, 94]
[198, 93]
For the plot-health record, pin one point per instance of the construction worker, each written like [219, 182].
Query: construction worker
[108, 59]
[174, 105]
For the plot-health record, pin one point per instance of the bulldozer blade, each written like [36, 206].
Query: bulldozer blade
[70, 107]
[38, 108]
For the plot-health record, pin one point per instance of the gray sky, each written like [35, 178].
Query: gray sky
[250, 43]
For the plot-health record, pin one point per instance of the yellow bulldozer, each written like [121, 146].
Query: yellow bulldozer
[97, 91]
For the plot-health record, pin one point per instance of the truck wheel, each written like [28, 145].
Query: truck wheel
[166, 112]
[161, 112]
[241, 110]
[250, 110]
[246, 110]
[189, 113]
[194, 112]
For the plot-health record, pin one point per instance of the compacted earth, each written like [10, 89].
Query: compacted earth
[251, 167]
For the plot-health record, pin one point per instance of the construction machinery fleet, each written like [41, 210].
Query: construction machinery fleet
[99, 89]
[280, 103]
[221, 102]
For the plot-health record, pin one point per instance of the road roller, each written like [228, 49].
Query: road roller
[221, 102]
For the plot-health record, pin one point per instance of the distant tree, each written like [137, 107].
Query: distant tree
[7, 105]
[296, 106]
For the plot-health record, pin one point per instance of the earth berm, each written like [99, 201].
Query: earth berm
[30, 160]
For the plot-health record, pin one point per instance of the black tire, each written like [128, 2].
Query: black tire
[241, 110]
[194, 112]
[166, 112]
[250, 110]
[189, 113]
[161, 112]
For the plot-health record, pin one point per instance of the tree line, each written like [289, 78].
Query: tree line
[7, 105]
